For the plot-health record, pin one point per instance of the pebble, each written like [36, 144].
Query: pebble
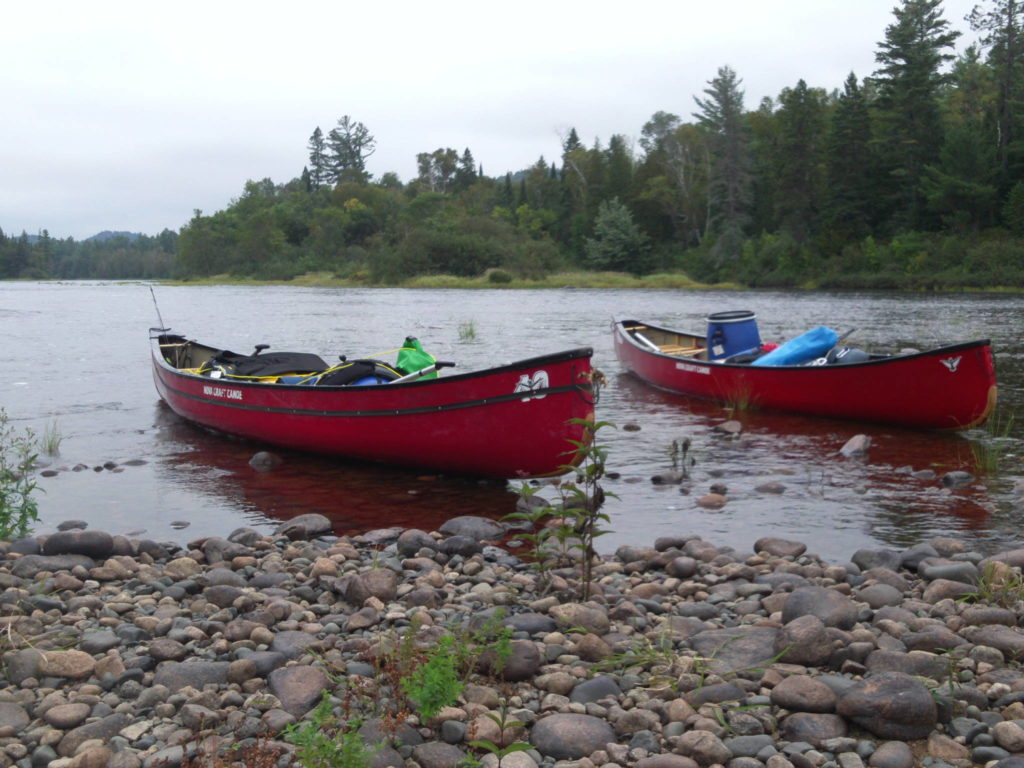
[131, 653]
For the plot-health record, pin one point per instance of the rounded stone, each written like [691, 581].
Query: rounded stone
[813, 728]
[892, 754]
[832, 608]
[892, 705]
[802, 693]
[67, 716]
[567, 736]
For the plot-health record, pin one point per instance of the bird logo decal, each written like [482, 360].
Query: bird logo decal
[532, 384]
[952, 363]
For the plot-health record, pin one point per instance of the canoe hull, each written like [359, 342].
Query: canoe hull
[512, 421]
[951, 387]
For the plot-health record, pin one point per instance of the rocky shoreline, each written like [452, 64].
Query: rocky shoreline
[126, 653]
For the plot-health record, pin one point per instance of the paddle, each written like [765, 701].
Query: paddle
[647, 342]
[422, 371]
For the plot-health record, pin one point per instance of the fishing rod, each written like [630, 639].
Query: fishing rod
[158, 316]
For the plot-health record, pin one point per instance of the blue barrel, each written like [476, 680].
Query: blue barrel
[732, 333]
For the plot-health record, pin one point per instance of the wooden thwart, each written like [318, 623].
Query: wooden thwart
[681, 351]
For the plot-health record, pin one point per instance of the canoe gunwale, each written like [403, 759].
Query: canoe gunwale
[948, 387]
[620, 328]
[516, 420]
[479, 402]
[530, 362]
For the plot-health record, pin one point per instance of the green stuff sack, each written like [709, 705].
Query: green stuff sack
[412, 358]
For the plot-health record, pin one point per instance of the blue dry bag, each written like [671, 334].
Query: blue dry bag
[807, 346]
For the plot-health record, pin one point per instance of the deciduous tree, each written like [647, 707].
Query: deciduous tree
[680, 154]
[437, 169]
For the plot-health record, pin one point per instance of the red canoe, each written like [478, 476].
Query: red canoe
[950, 387]
[515, 420]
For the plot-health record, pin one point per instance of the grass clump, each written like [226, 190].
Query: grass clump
[467, 331]
[994, 444]
[999, 584]
[50, 440]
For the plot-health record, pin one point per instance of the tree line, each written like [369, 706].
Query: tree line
[911, 176]
[42, 257]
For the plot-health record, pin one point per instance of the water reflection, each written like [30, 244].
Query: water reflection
[894, 496]
[356, 497]
[107, 410]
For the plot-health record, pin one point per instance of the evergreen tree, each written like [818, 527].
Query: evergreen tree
[542, 191]
[909, 81]
[1002, 28]
[619, 162]
[1013, 209]
[350, 143]
[618, 243]
[850, 165]
[574, 171]
[763, 127]
[508, 195]
[319, 163]
[20, 257]
[800, 159]
[721, 115]
[960, 187]
[572, 142]
[465, 173]
[971, 94]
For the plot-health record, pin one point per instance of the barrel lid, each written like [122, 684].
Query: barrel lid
[734, 316]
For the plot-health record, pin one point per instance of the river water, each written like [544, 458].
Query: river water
[76, 359]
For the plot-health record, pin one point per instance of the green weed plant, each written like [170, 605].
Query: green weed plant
[501, 749]
[18, 510]
[582, 500]
[429, 679]
[324, 740]
[578, 519]
[436, 683]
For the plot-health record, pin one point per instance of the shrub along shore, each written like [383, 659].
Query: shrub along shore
[440, 649]
[499, 278]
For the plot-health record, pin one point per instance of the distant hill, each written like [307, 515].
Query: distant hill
[108, 235]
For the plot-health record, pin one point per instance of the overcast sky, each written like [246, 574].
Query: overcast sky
[130, 115]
